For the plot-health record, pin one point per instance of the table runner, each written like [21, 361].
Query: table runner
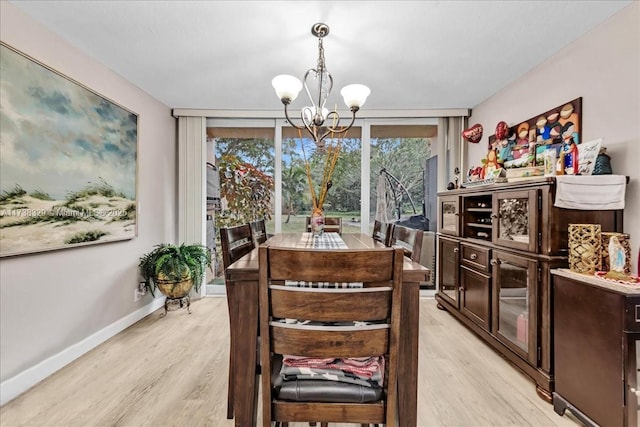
[323, 241]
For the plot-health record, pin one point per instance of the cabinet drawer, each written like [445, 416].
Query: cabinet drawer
[476, 257]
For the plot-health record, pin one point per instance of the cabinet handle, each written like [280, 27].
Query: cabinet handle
[461, 289]
[494, 261]
[494, 216]
[473, 257]
[634, 391]
[456, 250]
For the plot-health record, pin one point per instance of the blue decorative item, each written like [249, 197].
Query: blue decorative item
[603, 163]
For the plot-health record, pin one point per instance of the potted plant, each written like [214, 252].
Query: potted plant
[175, 269]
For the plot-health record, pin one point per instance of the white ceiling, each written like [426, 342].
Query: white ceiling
[412, 54]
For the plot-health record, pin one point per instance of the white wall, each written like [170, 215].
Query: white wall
[54, 306]
[602, 67]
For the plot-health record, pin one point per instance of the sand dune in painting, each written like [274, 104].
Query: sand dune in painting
[29, 223]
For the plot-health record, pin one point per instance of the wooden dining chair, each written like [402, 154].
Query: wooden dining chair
[332, 224]
[381, 232]
[235, 242]
[259, 230]
[409, 239]
[338, 323]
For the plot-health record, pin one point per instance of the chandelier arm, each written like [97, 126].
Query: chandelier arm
[286, 115]
[309, 125]
[337, 129]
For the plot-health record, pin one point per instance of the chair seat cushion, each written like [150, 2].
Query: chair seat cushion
[325, 391]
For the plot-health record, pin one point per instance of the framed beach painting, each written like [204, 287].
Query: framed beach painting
[68, 161]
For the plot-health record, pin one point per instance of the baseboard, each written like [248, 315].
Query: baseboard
[217, 290]
[15, 386]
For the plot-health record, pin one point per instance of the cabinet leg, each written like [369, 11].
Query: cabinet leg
[543, 393]
[441, 307]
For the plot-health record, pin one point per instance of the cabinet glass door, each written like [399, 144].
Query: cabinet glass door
[448, 253]
[515, 280]
[449, 215]
[515, 219]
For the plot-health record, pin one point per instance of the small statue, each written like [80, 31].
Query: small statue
[490, 164]
[617, 259]
[617, 256]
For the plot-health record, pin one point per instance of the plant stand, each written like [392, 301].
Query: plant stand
[182, 302]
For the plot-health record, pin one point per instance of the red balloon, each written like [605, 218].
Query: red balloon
[473, 134]
[502, 130]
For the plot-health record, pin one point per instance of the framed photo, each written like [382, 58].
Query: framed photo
[68, 161]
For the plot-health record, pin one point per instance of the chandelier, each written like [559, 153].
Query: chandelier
[314, 117]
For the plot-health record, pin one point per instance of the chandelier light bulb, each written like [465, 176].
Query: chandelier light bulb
[287, 87]
[355, 95]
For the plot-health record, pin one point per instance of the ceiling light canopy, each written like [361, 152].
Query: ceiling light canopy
[314, 117]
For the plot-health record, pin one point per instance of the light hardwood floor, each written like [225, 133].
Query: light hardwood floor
[172, 371]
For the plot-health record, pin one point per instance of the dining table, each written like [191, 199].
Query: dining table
[242, 294]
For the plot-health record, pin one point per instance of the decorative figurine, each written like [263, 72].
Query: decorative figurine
[617, 260]
[474, 173]
[617, 256]
[571, 158]
[490, 164]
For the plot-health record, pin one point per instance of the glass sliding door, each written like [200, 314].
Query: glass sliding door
[344, 194]
[244, 158]
[397, 163]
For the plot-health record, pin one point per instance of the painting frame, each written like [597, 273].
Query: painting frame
[68, 161]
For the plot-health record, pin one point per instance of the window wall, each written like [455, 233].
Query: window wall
[390, 159]
[379, 172]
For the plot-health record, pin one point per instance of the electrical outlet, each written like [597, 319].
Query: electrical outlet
[139, 291]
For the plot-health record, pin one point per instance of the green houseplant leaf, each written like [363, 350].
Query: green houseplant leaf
[174, 263]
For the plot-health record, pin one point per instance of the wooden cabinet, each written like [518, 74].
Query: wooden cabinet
[496, 250]
[597, 336]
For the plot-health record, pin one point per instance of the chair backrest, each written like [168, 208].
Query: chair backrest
[332, 224]
[235, 242]
[259, 230]
[381, 232]
[409, 239]
[341, 322]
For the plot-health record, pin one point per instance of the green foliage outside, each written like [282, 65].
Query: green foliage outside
[404, 158]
